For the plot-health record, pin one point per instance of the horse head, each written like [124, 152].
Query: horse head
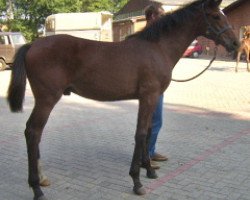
[217, 26]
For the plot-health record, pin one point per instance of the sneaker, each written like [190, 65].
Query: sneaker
[158, 157]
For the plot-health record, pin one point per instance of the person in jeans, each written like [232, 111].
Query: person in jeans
[152, 13]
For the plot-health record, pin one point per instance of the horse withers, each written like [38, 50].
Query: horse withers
[137, 68]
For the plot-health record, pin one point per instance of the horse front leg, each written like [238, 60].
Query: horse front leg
[140, 139]
[237, 61]
[248, 55]
[146, 158]
[141, 155]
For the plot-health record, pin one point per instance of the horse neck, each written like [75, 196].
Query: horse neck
[176, 41]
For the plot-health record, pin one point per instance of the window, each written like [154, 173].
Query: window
[2, 40]
[18, 39]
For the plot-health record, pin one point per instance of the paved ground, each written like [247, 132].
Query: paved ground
[87, 146]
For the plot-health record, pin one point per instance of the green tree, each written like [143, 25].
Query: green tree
[96, 5]
[118, 4]
[30, 15]
[99, 5]
[3, 7]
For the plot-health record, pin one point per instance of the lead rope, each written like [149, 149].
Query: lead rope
[196, 76]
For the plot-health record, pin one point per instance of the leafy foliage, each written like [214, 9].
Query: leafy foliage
[29, 16]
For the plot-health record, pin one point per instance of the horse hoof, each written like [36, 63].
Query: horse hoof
[40, 198]
[139, 191]
[152, 175]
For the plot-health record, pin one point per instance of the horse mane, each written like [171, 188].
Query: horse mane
[166, 23]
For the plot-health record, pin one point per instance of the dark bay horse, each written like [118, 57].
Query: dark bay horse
[137, 68]
[244, 48]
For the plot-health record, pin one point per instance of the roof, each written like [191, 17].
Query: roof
[136, 7]
[174, 2]
[182, 2]
[234, 5]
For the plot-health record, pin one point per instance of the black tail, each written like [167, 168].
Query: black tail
[17, 85]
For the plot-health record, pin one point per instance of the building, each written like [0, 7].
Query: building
[238, 13]
[130, 18]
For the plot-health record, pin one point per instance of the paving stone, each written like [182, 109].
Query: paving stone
[87, 146]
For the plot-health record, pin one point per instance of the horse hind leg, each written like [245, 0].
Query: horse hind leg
[33, 133]
[43, 179]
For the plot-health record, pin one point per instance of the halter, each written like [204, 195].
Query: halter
[211, 29]
[197, 75]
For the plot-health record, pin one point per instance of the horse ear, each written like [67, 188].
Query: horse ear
[213, 3]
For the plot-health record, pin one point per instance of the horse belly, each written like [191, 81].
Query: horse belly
[106, 90]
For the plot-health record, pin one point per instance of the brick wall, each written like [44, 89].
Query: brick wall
[121, 30]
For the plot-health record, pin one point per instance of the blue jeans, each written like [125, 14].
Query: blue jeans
[156, 126]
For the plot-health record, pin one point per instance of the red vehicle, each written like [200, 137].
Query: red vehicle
[194, 50]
